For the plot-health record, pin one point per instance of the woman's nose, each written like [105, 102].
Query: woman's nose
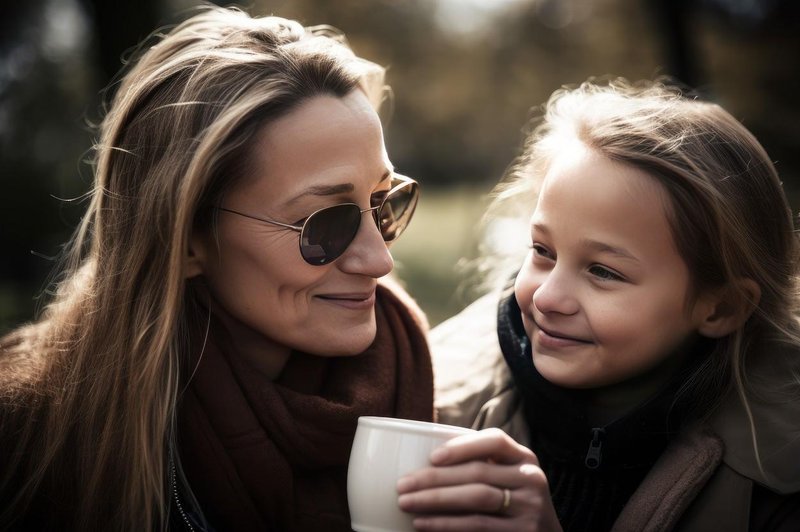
[367, 254]
[556, 294]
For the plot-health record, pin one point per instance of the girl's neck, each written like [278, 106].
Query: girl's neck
[609, 403]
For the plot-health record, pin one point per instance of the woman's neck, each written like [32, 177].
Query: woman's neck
[254, 349]
[248, 345]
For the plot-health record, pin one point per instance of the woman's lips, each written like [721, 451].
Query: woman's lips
[352, 301]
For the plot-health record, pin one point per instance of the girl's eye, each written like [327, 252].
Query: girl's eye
[541, 251]
[601, 272]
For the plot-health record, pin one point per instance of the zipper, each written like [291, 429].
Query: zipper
[594, 455]
[175, 494]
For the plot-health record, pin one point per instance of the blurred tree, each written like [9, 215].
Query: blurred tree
[465, 75]
[43, 83]
[55, 57]
[119, 26]
[672, 19]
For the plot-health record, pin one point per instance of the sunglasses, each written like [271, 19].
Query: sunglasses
[327, 233]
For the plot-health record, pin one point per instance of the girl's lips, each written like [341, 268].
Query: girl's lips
[553, 338]
[352, 301]
[548, 341]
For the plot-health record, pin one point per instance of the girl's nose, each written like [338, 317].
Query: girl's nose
[556, 294]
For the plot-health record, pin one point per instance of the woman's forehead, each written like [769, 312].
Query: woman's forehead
[326, 146]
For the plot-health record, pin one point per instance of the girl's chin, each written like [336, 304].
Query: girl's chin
[560, 374]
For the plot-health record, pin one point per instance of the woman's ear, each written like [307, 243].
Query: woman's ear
[195, 258]
[728, 309]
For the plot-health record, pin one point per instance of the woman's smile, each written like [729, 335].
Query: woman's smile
[351, 300]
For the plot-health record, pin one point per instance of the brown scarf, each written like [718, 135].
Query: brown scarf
[272, 455]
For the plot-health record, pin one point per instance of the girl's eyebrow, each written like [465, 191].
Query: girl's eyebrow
[602, 247]
[595, 245]
[540, 228]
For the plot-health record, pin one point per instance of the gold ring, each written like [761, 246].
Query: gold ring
[506, 501]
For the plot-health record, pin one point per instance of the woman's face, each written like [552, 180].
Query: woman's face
[603, 291]
[329, 150]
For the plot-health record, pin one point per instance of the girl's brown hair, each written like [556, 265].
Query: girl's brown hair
[728, 212]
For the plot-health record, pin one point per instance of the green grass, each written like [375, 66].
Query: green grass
[441, 236]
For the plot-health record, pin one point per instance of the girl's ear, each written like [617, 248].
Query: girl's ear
[195, 258]
[728, 309]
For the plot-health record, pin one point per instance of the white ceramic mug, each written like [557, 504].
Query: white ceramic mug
[384, 450]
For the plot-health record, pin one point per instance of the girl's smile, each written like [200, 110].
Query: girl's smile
[552, 339]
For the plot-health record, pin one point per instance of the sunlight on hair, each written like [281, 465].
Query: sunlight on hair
[507, 236]
[477, 19]
[472, 19]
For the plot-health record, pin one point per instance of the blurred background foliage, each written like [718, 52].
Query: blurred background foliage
[466, 76]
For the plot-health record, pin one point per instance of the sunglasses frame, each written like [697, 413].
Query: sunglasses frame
[401, 182]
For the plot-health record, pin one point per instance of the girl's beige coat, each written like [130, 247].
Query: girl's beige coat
[704, 479]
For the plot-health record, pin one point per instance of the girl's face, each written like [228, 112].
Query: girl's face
[327, 151]
[604, 293]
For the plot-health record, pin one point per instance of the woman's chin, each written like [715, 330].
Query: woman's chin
[345, 344]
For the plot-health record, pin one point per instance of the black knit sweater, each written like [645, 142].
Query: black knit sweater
[592, 470]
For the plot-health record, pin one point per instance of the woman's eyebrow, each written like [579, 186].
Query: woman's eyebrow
[324, 190]
[331, 190]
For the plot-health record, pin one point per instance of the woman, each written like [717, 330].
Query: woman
[218, 326]
[648, 350]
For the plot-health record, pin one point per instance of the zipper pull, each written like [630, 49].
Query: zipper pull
[595, 453]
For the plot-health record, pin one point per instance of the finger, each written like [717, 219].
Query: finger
[508, 476]
[488, 444]
[469, 523]
[466, 498]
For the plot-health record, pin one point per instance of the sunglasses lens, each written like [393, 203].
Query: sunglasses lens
[397, 210]
[327, 233]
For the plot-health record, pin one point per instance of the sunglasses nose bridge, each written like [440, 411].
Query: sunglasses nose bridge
[375, 212]
[367, 252]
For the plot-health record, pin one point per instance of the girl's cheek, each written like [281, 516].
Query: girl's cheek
[525, 285]
[520, 285]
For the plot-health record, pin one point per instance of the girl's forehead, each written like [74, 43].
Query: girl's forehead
[583, 169]
[589, 197]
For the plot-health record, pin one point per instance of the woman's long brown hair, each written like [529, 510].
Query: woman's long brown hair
[89, 391]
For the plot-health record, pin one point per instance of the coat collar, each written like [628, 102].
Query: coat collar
[774, 411]
[673, 485]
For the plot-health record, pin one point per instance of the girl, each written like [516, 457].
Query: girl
[649, 352]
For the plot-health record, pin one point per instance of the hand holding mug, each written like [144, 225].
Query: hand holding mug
[384, 450]
[479, 481]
